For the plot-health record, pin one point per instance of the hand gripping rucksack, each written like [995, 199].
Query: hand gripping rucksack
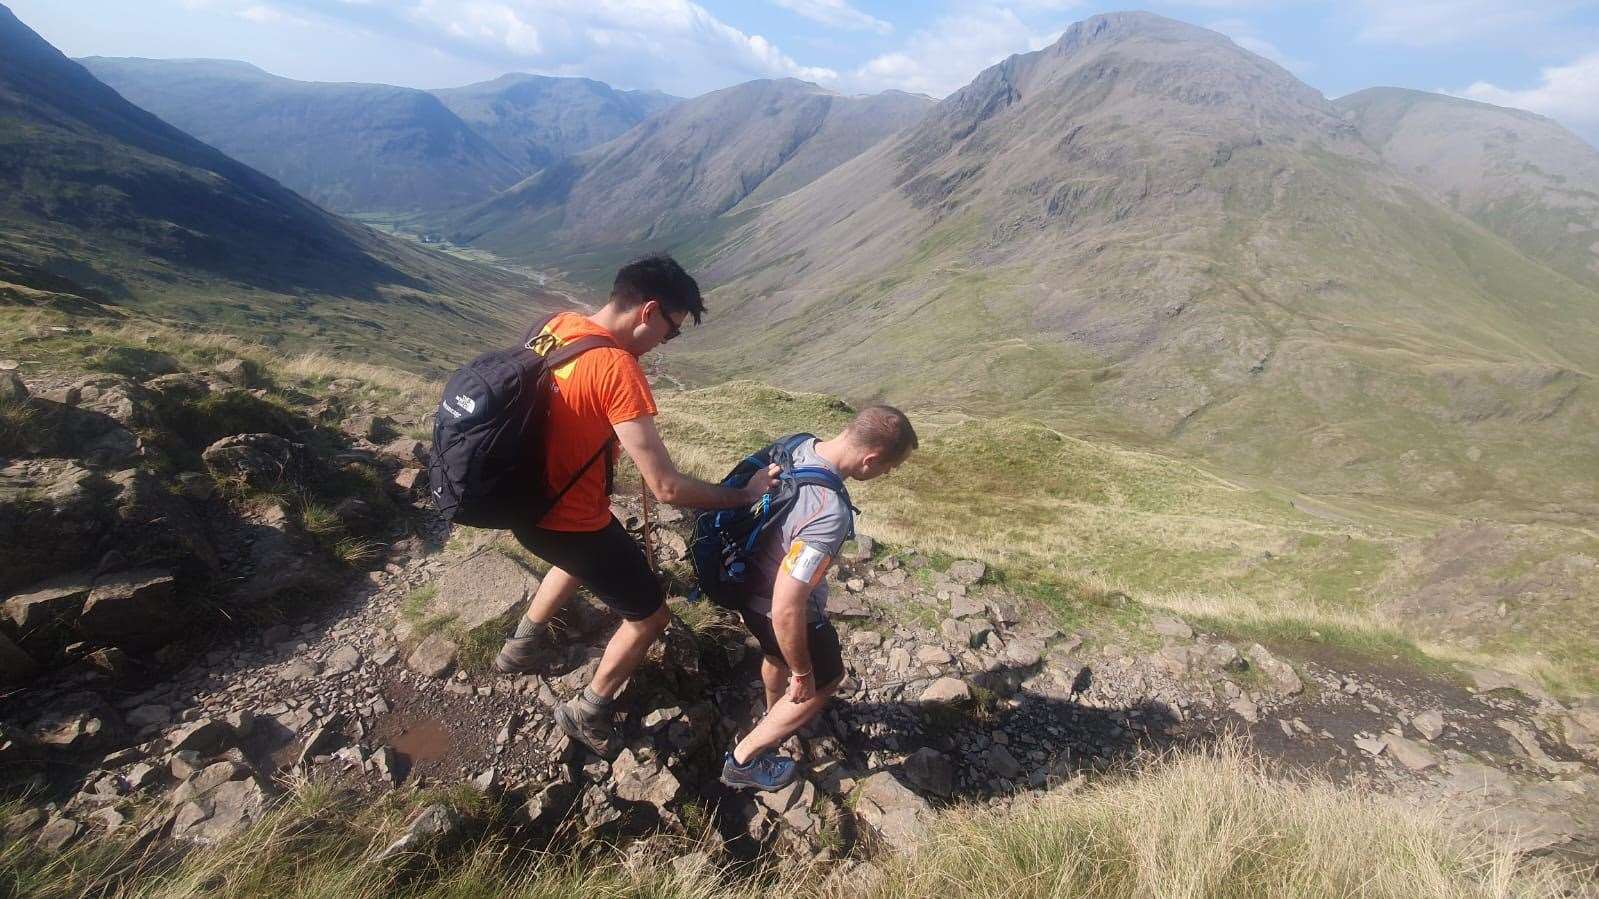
[724, 541]
[491, 430]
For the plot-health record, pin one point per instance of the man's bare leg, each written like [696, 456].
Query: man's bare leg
[554, 590]
[587, 718]
[774, 677]
[527, 649]
[782, 720]
[624, 652]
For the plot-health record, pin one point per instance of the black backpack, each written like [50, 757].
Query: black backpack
[724, 540]
[490, 431]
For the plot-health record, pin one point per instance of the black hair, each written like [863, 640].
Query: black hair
[657, 277]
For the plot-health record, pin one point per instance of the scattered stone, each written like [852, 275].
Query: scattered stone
[433, 657]
[1409, 753]
[1245, 708]
[931, 771]
[1370, 746]
[1488, 681]
[205, 736]
[58, 834]
[261, 460]
[1430, 724]
[893, 579]
[933, 655]
[432, 827]
[224, 812]
[408, 450]
[1168, 626]
[966, 607]
[342, 661]
[1002, 763]
[238, 372]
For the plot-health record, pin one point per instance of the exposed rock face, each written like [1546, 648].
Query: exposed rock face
[487, 588]
[260, 460]
[134, 609]
[898, 815]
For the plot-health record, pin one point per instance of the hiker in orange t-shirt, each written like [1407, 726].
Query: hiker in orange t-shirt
[601, 399]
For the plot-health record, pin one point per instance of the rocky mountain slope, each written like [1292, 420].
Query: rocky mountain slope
[1144, 229]
[686, 167]
[348, 147]
[1520, 175]
[298, 613]
[536, 119]
[101, 200]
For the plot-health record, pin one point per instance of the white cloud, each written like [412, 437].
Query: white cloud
[262, 14]
[944, 57]
[674, 45]
[1569, 93]
[1245, 34]
[1427, 23]
[836, 14]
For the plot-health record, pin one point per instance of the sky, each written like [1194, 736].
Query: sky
[1540, 55]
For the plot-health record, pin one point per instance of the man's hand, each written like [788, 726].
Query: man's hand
[761, 482]
[801, 687]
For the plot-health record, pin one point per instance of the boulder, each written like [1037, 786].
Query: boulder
[1002, 763]
[947, 690]
[221, 813]
[485, 588]
[206, 736]
[897, 814]
[1430, 724]
[966, 607]
[57, 834]
[371, 428]
[45, 612]
[548, 807]
[81, 722]
[1280, 676]
[208, 780]
[433, 657]
[134, 609]
[260, 460]
[931, 772]
[967, 571]
[238, 372]
[12, 389]
[638, 781]
[16, 665]
[409, 450]
[1170, 627]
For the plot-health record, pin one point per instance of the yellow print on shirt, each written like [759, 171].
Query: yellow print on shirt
[806, 564]
[547, 343]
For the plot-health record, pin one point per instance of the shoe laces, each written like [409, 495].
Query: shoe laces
[769, 765]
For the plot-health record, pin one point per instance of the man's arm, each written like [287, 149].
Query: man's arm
[790, 620]
[643, 444]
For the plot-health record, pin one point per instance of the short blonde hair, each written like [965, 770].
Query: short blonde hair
[883, 429]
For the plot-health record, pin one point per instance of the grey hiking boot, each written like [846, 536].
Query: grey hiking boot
[526, 655]
[767, 771]
[590, 725]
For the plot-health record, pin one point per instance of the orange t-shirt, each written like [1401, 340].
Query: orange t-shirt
[593, 392]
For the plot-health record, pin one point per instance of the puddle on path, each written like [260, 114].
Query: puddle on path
[422, 741]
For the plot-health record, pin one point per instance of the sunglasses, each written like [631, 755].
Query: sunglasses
[672, 331]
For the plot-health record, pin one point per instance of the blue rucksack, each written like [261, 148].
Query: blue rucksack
[724, 540]
[490, 432]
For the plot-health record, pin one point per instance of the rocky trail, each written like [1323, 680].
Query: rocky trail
[127, 711]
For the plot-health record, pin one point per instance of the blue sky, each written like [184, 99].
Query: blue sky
[1541, 55]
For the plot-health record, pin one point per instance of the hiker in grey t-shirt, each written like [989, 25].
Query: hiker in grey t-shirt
[803, 664]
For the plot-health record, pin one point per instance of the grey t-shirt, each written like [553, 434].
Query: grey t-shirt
[805, 543]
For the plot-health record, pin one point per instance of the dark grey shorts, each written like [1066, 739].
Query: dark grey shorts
[827, 658]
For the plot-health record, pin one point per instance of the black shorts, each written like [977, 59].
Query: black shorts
[608, 561]
[827, 659]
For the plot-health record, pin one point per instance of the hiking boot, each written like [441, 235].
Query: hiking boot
[766, 771]
[590, 725]
[526, 655]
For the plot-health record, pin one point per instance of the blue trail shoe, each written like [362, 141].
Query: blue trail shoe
[764, 772]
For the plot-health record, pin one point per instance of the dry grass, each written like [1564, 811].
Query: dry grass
[1213, 825]
[1190, 827]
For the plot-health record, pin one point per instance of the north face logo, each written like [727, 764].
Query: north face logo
[466, 402]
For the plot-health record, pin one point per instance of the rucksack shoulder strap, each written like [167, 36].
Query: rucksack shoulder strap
[564, 354]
